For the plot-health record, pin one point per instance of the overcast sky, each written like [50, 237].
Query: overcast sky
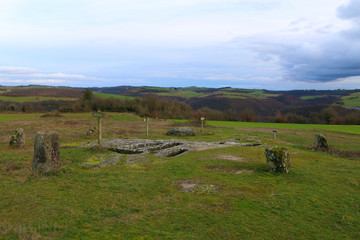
[266, 44]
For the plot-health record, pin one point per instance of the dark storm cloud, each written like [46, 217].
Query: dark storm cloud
[316, 61]
[316, 56]
[351, 12]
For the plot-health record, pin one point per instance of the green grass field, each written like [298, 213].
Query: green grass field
[228, 93]
[257, 94]
[18, 116]
[312, 97]
[194, 89]
[318, 199]
[107, 95]
[315, 127]
[353, 100]
[183, 94]
[33, 99]
[158, 88]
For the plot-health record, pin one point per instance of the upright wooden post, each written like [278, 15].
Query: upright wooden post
[99, 116]
[147, 126]
[202, 123]
[100, 133]
[275, 132]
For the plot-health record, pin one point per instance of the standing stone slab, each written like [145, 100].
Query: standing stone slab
[46, 152]
[320, 142]
[277, 160]
[18, 138]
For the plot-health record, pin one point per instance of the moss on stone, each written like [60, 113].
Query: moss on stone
[278, 160]
[94, 160]
[320, 142]
[102, 160]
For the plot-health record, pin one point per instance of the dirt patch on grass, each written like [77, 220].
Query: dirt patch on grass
[51, 115]
[195, 187]
[71, 123]
[244, 171]
[339, 153]
[230, 170]
[202, 148]
[231, 158]
[188, 187]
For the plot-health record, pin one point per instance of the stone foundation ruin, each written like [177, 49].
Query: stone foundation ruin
[160, 148]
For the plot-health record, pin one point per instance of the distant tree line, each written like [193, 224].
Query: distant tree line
[324, 115]
[155, 107]
[149, 106]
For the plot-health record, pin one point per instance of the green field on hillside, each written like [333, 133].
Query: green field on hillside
[312, 97]
[158, 88]
[107, 95]
[236, 198]
[183, 94]
[33, 99]
[257, 94]
[354, 129]
[228, 93]
[353, 100]
[195, 89]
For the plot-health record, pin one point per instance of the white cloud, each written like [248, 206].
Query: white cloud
[36, 81]
[185, 22]
[16, 70]
[31, 72]
[200, 40]
[25, 75]
[59, 76]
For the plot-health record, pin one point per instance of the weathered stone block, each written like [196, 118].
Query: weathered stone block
[320, 142]
[277, 160]
[18, 138]
[46, 152]
[182, 131]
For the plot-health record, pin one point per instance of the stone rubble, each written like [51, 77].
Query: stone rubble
[161, 148]
[182, 131]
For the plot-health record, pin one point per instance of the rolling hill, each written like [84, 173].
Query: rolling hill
[261, 104]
